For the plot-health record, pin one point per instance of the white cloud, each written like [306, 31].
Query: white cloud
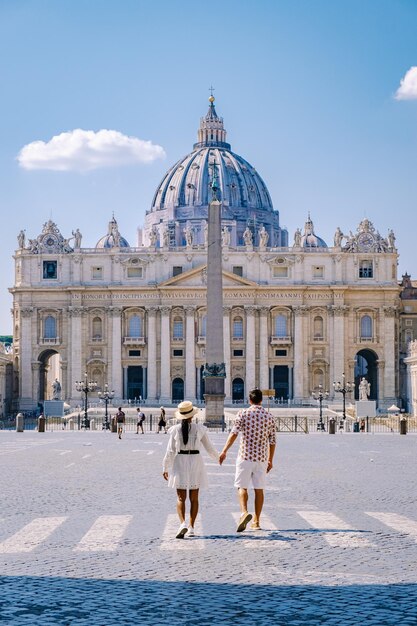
[83, 150]
[408, 86]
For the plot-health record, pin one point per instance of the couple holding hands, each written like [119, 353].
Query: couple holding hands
[184, 469]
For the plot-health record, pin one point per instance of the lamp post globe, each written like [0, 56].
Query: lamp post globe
[85, 386]
[106, 396]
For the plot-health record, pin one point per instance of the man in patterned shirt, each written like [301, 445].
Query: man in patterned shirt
[254, 459]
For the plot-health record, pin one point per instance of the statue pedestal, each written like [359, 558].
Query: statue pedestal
[53, 408]
[365, 408]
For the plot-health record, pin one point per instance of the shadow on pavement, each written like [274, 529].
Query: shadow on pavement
[90, 602]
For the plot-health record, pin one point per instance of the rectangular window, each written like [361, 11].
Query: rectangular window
[318, 271]
[408, 322]
[97, 273]
[134, 352]
[366, 269]
[280, 353]
[178, 353]
[237, 352]
[280, 272]
[134, 272]
[176, 270]
[238, 270]
[50, 269]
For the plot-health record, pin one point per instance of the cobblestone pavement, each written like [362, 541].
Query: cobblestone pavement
[87, 525]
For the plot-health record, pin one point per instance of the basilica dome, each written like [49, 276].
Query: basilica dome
[182, 198]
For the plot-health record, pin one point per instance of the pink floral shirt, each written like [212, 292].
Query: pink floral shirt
[257, 428]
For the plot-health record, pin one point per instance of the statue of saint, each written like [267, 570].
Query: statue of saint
[165, 238]
[338, 236]
[226, 236]
[21, 239]
[263, 237]
[56, 390]
[391, 239]
[364, 389]
[247, 236]
[153, 236]
[188, 236]
[77, 238]
[297, 238]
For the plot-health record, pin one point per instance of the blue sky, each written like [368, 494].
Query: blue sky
[306, 89]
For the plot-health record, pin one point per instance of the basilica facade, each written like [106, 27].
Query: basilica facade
[296, 314]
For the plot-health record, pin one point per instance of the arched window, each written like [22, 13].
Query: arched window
[318, 378]
[178, 328]
[318, 327]
[280, 326]
[135, 326]
[237, 328]
[49, 327]
[366, 327]
[97, 328]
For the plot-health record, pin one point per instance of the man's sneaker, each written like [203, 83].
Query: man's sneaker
[255, 526]
[191, 532]
[245, 518]
[182, 530]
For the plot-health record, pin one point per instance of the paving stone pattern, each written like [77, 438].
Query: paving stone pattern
[87, 525]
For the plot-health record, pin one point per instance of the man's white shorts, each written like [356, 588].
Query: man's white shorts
[247, 471]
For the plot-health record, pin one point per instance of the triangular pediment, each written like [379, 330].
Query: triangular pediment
[197, 277]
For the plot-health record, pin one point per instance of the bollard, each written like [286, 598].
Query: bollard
[113, 424]
[41, 424]
[403, 426]
[19, 423]
[332, 426]
[150, 421]
[71, 424]
[92, 425]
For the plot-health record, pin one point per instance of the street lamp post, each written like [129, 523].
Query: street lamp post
[343, 387]
[320, 395]
[85, 386]
[106, 396]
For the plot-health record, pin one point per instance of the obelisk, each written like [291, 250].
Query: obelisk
[215, 369]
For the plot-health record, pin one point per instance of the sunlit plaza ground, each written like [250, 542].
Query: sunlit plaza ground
[87, 529]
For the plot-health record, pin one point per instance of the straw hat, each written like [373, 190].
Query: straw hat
[185, 410]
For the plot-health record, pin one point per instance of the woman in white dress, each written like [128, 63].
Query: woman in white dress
[183, 466]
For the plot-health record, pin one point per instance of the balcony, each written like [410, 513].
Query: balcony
[201, 339]
[366, 339]
[280, 341]
[49, 341]
[318, 338]
[134, 341]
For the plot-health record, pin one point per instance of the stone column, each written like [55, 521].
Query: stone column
[190, 378]
[152, 378]
[250, 349]
[390, 374]
[116, 352]
[76, 371]
[338, 345]
[299, 352]
[165, 394]
[263, 348]
[26, 400]
[227, 350]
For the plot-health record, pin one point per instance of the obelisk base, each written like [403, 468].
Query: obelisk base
[214, 400]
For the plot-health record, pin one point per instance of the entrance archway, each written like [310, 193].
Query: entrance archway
[177, 390]
[135, 388]
[49, 369]
[281, 382]
[238, 390]
[366, 365]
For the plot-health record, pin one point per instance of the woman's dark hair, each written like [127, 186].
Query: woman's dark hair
[185, 429]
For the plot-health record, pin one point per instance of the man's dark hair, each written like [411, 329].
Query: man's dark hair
[255, 396]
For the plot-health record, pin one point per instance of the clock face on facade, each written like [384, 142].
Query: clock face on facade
[366, 241]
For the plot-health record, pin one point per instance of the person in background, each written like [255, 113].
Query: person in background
[162, 424]
[121, 420]
[141, 419]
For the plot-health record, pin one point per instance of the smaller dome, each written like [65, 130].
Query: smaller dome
[310, 239]
[113, 239]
